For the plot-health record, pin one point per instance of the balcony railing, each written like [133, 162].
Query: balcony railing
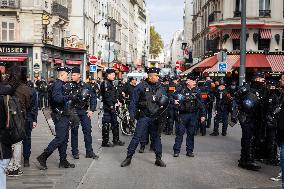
[60, 10]
[265, 13]
[12, 4]
[237, 13]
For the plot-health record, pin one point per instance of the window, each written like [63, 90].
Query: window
[264, 4]
[283, 40]
[238, 8]
[8, 31]
[236, 44]
[264, 8]
[263, 44]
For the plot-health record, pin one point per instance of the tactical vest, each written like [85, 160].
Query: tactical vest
[149, 98]
[190, 103]
[82, 103]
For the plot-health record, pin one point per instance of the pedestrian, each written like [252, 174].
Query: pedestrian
[280, 127]
[61, 118]
[31, 123]
[110, 103]
[85, 107]
[5, 148]
[42, 88]
[150, 100]
[190, 107]
[222, 108]
[17, 79]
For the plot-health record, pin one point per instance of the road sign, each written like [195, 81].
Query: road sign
[109, 56]
[222, 67]
[93, 59]
[93, 68]
[222, 56]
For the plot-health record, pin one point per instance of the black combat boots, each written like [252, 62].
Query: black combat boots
[65, 164]
[159, 162]
[116, 141]
[127, 161]
[142, 149]
[42, 160]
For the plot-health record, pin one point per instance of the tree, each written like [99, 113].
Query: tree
[156, 43]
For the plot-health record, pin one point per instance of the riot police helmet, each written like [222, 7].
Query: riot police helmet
[163, 101]
[84, 95]
[249, 102]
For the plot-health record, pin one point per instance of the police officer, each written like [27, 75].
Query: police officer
[207, 96]
[87, 98]
[61, 121]
[210, 100]
[171, 89]
[129, 87]
[31, 123]
[150, 100]
[95, 87]
[271, 104]
[223, 107]
[110, 102]
[42, 89]
[249, 100]
[190, 107]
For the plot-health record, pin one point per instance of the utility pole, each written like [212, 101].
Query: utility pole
[242, 71]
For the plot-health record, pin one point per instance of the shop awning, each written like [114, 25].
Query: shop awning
[13, 58]
[235, 34]
[204, 64]
[254, 61]
[190, 69]
[74, 62]
[265, 34]
[207, 63]
[276, 62]
[231, 60]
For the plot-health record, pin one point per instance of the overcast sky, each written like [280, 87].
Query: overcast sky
[166, 15]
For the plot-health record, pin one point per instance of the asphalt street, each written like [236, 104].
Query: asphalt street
[213, 167]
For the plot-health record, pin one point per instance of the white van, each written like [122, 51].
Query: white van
[138, 75]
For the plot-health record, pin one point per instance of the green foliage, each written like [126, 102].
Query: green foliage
[156, 43]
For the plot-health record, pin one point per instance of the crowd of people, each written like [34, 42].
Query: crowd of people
[170, 105]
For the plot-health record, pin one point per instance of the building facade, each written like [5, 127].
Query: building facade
[216, 25]
[41, 35]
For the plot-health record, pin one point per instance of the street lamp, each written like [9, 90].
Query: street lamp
[107, 25]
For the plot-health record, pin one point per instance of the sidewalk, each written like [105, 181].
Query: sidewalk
[53, 177]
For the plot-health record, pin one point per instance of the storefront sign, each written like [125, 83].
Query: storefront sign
[13, 50]
[13, 58]
[74, 42]
[73, 62]
[36, 68]
[58, 61]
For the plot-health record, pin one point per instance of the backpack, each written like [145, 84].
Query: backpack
[15, 122]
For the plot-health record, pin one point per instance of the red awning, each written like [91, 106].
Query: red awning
[231, 60]
[254, 61]
[58, 61]
[265, 34]
[208, 62]
[74, 62]
[235, 34]
[13, 58]
[276, 62]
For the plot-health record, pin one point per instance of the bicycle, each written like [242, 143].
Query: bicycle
[126, 125]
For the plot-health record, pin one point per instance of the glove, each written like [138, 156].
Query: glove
[132, 118]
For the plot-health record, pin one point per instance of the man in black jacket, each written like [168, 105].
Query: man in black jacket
[5, 149]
